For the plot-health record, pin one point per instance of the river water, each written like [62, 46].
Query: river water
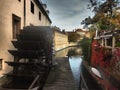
[75, 60]
[75, 63]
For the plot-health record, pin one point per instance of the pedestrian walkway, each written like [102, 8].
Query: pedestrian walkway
[60, 77]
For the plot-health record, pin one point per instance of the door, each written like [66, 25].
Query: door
[16, 21]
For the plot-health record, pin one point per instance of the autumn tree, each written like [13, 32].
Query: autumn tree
[103, 6]
[104, 14]
[73, 37]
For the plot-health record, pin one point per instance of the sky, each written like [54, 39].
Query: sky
[67, 14]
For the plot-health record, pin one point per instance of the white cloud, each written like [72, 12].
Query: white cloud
[68, 14]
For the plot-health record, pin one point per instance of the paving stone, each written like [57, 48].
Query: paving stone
[61, 77]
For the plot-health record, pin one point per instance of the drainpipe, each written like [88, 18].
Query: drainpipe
[24, 13]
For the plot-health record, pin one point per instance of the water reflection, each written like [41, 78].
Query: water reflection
[75, 63]
[74, 51]
[75, 59]
[71, 51]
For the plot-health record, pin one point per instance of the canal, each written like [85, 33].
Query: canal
[74, 55]
[75, 60]
[82, 77]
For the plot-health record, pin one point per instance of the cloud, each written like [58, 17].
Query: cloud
[67, 14]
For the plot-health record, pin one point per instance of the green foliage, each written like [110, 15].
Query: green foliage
[92, 30]
[104, 13]
[103, 24]
[86, 49]
[73, 37]
[106, 6]
[117, 44]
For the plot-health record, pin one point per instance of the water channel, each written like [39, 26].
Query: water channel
[75, 60]
[74, 55]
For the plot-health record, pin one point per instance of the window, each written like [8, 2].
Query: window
[32, 7]
[39, 15]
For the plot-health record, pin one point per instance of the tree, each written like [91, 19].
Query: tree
[85, 43]
[104, 6]
[87, 21]
[73, 37]
[103, 10]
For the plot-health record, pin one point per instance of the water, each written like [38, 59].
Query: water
[75, 59]
[75, 63]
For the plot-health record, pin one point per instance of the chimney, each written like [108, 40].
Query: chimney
[47, 11]
[40, 1]
[44, 6]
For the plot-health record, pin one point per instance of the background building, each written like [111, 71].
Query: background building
[82, 33]
[60, 39]
[14, 15]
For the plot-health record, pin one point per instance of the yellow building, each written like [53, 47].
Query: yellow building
[82, 33]
[60, 39]
[14, 15]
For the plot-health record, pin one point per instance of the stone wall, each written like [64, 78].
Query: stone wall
[60, 40]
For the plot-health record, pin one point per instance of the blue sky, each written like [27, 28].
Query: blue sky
[67, 14]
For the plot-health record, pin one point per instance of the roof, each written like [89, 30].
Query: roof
[39, 4]
[80, 30]
[110, 33]
[56, 29]
[70, 32]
